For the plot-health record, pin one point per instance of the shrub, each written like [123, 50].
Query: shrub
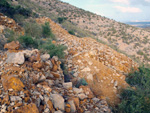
[27, 41]
[61, 19]
[33, 29]
[71, 32]
[52, 49]
[46, 31]
[10, 10]
[81, 82]
[10, 35]
[136, 100]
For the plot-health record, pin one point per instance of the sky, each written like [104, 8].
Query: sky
[119, 10]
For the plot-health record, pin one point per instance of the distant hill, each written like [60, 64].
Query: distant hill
[140, 24]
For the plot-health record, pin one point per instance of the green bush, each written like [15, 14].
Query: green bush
[32, 29]
[81, 82]
[136, 100]
[52, 49]
[46, 31]
[27, 41]
[10, 10]
[10, 35]
[71, 32]
[61, 19]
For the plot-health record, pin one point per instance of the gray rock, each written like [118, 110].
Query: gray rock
[16, 58]
[73, 107]
[58, 101]
[67, 85]
[45, 57]
[82, 96]
[15, 98]
[78, 90]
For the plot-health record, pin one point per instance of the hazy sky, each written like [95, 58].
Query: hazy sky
[120, 10]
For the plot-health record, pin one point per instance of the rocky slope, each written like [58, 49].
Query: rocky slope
[34, 83]
[131, 40]
[102, 67]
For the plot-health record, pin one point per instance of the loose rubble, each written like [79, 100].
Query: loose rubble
[97, 63]
[36, 85]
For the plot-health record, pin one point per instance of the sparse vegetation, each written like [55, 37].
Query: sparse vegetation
[137, 98]
[52, 49]
[46, 31]
[82, 81]
[10, 10]
[28, 41]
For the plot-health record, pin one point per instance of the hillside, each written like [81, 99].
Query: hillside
[49, 64]
[86, 59]
[122, 37]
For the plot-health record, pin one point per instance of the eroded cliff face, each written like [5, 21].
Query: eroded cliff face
[102, 67]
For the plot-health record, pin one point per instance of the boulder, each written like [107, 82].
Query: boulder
[11, 82]
[16, 58]
[12, 45]
[58, 101]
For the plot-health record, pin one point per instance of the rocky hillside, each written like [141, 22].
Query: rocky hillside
[103, 68]
[32, 82]
[131, 40]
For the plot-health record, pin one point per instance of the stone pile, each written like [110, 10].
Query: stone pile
[103, 68]
[31, 82]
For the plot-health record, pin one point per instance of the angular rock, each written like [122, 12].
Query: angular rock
[12, 45]
[82, 96]
[67, 85]
[58, 101]
[45, 57]
[77, 90]
[11, 82]
[16, 58]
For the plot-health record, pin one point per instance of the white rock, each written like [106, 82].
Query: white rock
[15, 98]
[67, 85]
[45, 57]
[72, 106]
[82, 96]
[16, 58]
[58, 101]
[29, 53]
[78, 90]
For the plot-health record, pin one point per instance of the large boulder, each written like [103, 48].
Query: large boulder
[16, 58]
